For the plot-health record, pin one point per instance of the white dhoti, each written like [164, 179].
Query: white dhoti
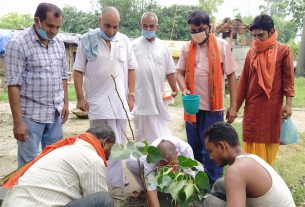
[150, 127]
[114, 171]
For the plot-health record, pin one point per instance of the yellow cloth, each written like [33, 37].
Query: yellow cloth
[267, 152]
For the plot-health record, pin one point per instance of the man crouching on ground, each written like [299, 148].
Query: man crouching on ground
[70, 172]
[249, 180]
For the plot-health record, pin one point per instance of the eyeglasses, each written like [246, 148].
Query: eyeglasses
[259, 35]
[201, 29]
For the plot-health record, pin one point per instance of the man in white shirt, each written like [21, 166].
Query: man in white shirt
[72, 174]
[249, 180]
[170, 147]
[155, 65]
[105, 55]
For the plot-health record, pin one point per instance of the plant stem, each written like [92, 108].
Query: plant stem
[113, 78]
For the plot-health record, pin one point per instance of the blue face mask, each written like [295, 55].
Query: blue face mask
[105, 36]
[42, 33]
[148, 34]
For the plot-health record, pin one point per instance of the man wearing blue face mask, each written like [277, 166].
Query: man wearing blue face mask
[104, 54]
[36, 76]
[155, 64]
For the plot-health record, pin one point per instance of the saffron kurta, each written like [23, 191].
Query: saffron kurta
[262, 119]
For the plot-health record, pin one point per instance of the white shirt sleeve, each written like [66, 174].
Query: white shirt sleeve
[80, 58]
[150, 178]
[93, 179]
[170, 67]
[132, 61]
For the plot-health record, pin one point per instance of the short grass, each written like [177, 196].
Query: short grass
[71, 94]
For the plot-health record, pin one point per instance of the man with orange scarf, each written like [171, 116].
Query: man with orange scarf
[200, 69]
[268, 76]
[70, 172]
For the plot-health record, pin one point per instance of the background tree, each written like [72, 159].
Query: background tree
[16, 21]
[297, 8]
[78, 21]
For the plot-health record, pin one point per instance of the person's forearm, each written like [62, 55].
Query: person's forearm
[78, 84]
[65, 87]
[289, 101]
[131, 80]
[232, 89]
[14, 100]
[152, 198]
[181, 79]
[171, 79]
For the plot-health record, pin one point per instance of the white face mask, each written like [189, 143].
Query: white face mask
[199, 37]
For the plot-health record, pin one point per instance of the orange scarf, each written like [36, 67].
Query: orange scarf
[88, 137]
[264, 60]
[215, 75]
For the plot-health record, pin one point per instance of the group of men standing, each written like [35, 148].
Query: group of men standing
[116, 79]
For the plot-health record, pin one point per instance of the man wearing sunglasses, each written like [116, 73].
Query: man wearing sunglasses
[36, 76]
[267, 76]
[200, 69]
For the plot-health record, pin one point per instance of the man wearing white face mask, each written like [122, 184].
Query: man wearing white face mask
[36, 76]
[155, 64]
[104, 54]
[200, 70]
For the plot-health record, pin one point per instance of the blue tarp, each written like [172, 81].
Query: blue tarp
[5, 36]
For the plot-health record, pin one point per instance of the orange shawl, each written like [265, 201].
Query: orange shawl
[264, 60]
[88, 137]
[215, 75]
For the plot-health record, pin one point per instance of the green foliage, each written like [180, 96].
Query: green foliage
[294, 47]
[181, 184]
[78, 21]
[210, 6]
[296, 8]
[16, 21]
[178, 180]
[153, 154]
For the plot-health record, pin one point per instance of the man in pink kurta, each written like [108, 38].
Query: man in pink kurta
[263, 112]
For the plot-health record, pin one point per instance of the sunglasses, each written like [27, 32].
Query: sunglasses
[259, 35]
[201, 29]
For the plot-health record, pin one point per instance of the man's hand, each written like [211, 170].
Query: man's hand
[65, 113]
[82, 105]
[185, 92]
[130, 101]
[20, 131]
[231, 114]
[287, 111]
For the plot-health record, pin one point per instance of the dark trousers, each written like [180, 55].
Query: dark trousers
[100, 199]
[195, 138]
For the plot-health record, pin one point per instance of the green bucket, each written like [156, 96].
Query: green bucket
[191, 103]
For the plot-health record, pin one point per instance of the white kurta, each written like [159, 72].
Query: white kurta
[183, 148]
[151, 114]
[99, 87]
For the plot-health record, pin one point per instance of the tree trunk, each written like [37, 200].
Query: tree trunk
[300, 71]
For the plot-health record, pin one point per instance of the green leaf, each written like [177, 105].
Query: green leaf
[186, 196]
[119, 153]
[153, 154]
[202, 180]
[176, 187]
[185, 162]
[137, 149]
[142, 146]
[164, 182]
